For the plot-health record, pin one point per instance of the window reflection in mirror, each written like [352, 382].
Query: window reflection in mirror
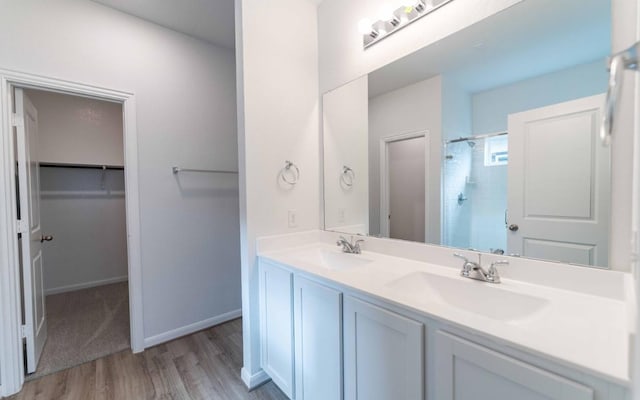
[485, 140]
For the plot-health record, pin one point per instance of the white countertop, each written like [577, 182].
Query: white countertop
[586, 332]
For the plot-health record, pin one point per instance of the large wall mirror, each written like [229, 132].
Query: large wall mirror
[485, 140]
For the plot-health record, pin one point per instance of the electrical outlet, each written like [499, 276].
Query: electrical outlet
[292, 219]
[342, 215]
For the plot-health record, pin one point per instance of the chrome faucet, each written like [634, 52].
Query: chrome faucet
[350, 247]
[474, 270]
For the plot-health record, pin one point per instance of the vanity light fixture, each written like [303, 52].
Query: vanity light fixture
[391, 22]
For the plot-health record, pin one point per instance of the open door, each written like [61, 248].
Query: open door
[35, 323]
[406, 189]
[559, 183]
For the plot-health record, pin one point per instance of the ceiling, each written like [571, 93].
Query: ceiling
[532, 38]
[209, 20]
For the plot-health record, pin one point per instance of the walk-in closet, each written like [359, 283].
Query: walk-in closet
[80, 192]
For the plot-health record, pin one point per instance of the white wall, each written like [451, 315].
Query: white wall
[346, 139]
[185, 95]
[492, 107]
[278, 120]
[87, 221]
[414, 108]
[78, 130]
[456, 110]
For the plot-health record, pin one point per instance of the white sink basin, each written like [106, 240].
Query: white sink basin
[482, 298]
[332, 259]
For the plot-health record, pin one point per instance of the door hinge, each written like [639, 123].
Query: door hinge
[17, 120]
[23, 331]
[22, 226]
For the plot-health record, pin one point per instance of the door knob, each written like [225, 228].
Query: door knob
[513, 227]
[46, 238]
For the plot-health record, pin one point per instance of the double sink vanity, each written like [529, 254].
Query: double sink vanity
[496, 263]
[398, 321]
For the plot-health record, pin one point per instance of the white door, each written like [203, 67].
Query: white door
[31, 234]
[559, 183]
[406, 163]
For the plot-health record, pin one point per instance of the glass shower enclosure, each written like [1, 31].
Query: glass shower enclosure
[474, 197]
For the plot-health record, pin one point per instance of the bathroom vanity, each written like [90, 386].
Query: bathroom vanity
[486, 143]
[382, 326]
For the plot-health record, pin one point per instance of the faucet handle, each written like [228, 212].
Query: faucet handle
[343, 242]
[492, 267]
[356, 246]
[493, 275]
[460, 256]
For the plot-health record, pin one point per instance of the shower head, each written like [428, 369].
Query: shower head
[471, 143]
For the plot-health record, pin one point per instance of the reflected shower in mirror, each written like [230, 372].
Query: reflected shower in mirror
[485, 140]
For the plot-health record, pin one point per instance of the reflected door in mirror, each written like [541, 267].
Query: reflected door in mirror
[559, 183]
[406, 189]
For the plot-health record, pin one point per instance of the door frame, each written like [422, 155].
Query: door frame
[384, 178]
[11, 363]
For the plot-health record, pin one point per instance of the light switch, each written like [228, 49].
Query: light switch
[292, 219]
[342, 215]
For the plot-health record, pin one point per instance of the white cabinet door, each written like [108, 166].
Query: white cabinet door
[318, 341]
[276, 325]
[383, 357]
[467, 371]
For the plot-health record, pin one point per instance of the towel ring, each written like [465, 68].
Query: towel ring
[348, 176]
[295, 173]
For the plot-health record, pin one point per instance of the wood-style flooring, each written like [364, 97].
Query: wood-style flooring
[205, 365]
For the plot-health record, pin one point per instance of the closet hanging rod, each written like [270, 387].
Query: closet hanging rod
[477, 137]
[177, 170]
[84, 166]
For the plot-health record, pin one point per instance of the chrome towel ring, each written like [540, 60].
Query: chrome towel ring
[348, 176]
[290, 174]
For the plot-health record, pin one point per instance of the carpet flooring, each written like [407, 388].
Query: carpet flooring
[83, 326]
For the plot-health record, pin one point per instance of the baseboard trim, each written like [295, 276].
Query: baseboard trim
[85, 285]
[255, 380]
[192, 328]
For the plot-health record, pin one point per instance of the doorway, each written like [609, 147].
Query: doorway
[404, 175]
[14, 332]
[71, 201]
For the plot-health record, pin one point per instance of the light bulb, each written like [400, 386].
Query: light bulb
[364, 26]
[403, 13]
[428, 5]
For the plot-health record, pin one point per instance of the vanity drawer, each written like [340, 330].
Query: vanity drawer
[467, 371]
